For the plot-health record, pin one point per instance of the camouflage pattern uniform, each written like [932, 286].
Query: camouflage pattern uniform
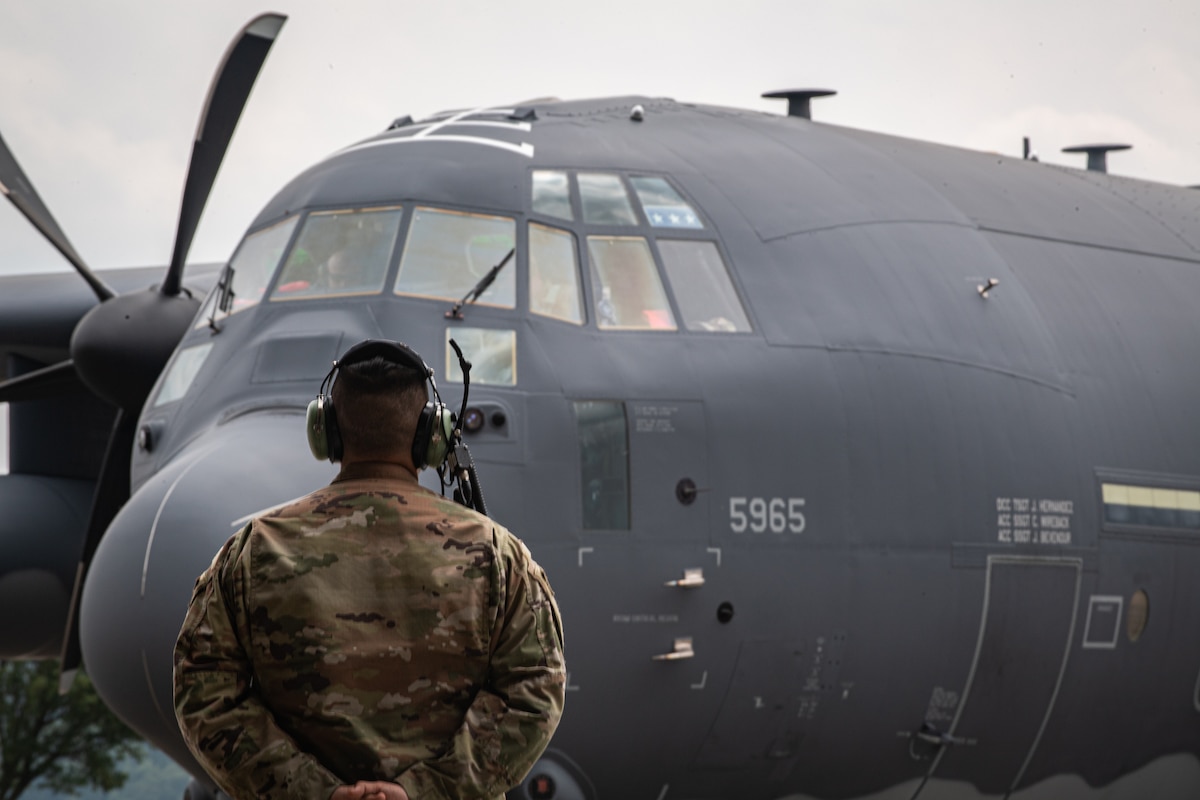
[370, 631]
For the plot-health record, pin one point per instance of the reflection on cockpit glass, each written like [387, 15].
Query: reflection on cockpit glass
[181, 373]
[449, 251]
[552, 194]
[605, 201]
[339, 253]
[663, 206]
[492, 353]
[252, 267]
[706, 297]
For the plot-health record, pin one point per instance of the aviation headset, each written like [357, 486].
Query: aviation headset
[435, 426]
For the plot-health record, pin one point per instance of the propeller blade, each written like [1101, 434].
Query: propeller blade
[112, 490]
[17, 188]
[226, 98]
[52, 381]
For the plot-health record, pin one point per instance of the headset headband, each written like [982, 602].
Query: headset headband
[394, 352]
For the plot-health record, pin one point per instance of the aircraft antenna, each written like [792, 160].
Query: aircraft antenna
[1097, 154]
[799, 100]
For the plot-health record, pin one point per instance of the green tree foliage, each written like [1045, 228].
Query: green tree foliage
[64, 742]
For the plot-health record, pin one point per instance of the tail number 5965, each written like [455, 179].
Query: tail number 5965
[762, 514]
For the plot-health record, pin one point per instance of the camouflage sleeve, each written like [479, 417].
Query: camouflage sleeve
[223, 719]
[512, 718]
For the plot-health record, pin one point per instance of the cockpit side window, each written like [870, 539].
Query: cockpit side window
[627, 290]
[449, 252]
[554, 274]
[251, 269]
[706, 297]
[339, 253]
[183, 370]
[663, 206]
[552, 194]
[605, 201]
[633, 224]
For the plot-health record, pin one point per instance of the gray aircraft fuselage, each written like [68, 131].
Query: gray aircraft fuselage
[926, 538]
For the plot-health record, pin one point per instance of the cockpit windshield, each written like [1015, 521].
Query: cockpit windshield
[620, 252]
[449, 251]
[340, 253]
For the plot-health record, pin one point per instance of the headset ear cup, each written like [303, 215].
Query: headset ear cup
[333, 434]
[324, 438]
[314, 421]
[442, 427]
[422, 435]
[432, 439]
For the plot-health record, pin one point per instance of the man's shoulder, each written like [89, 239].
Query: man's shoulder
[505, 541]
[373, 501]
[348, 495]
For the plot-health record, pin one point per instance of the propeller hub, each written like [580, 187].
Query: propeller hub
[120, 346]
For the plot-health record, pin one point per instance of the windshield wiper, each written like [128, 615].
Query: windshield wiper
[479, 288]
[224, 299]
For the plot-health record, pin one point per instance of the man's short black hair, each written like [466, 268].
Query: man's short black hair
[378, 403]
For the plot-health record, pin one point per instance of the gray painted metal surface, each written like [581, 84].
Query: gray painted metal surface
[910, 586]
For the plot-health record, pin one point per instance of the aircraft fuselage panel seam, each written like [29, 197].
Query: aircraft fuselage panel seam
[1091, 245]
[982, 229]
[958, 362]
[874, 223]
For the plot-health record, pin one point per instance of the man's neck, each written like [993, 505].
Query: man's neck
[355, 469]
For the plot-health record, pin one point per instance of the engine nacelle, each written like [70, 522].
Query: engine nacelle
[42, 524]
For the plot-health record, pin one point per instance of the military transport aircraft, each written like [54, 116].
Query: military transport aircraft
[862, 467]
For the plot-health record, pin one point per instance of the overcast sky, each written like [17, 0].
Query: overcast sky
[99, 101]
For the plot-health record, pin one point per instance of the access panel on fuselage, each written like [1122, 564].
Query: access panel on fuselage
[1027, 626]
[650, 656]
[668, 469]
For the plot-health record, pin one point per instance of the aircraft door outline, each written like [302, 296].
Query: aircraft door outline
[996, 642]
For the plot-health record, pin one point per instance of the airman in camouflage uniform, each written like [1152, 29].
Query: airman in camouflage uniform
[372, 631]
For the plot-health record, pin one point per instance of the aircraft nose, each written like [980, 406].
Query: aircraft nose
[140, 581]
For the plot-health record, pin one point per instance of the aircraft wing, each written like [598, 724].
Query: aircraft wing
[38, 312]
[56, 437]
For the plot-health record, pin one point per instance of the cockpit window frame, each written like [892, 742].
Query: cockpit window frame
[706, 232]
[392, 288]
[702, 224]
[205, 317]
[400, 234]
[572, 195]
[653, 281]
[521, 219]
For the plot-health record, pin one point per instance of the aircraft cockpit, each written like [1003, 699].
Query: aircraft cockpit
[633, 228]
[599, 252]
